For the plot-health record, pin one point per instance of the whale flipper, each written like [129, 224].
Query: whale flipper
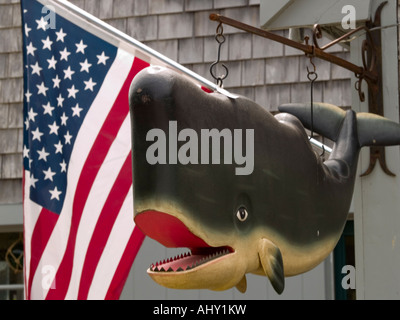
[373, 130]
[272, 264]
[242, 285]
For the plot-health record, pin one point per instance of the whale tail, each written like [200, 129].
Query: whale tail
[327, 120]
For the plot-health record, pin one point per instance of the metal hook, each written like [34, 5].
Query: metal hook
[312, 75]
[220, 38]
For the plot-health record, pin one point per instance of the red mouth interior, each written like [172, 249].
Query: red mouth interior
[172, 233]
[167, 230]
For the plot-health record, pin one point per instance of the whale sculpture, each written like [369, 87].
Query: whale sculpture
[281, 219]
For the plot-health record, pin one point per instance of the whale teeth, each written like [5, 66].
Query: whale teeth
[162, 265]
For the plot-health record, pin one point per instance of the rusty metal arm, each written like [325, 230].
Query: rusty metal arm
[310, 50]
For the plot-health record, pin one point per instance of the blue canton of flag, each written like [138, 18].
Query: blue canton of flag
[62, 78]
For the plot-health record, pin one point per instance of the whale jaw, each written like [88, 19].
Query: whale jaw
[205, 266]
[218, 271]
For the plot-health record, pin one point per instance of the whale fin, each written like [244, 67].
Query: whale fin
[373, 130]
[327, 118]
[271, 261]
[242, 285]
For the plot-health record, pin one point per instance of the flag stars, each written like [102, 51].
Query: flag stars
[48, 109]
[89, 84]
[102, 58]
[27, 30]
[72, 92]
[30, 49]
[60, 100]
[32, 114]
[85, 66]
[76, 111]
[60, 69]
[48, 174]
[55, 194]
[26, 123]
[54, 128]
[28, 96]
[63, 119]
[41, 24]
[56, 82]
[47, 43]
[80, 47]
[43, 154]
[32, 181]
[52, 63]
[67, 138]
[25, 152]
[64, 54]
[36, 68]
[42, 89]
[37, 135]
[60, 35]
[58, 147]
[63, 166]
[68, 73]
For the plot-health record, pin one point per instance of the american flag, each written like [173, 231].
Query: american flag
[80, 238]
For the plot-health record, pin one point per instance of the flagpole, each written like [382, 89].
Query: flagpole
[320, 145]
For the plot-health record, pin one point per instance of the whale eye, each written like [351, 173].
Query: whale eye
[242, 214]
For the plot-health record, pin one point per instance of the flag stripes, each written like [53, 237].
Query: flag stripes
[104, 224]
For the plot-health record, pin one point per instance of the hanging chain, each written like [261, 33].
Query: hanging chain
[220, 38]
[312, 76]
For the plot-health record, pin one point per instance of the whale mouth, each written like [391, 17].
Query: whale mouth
[190, 260]
[173, 233]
